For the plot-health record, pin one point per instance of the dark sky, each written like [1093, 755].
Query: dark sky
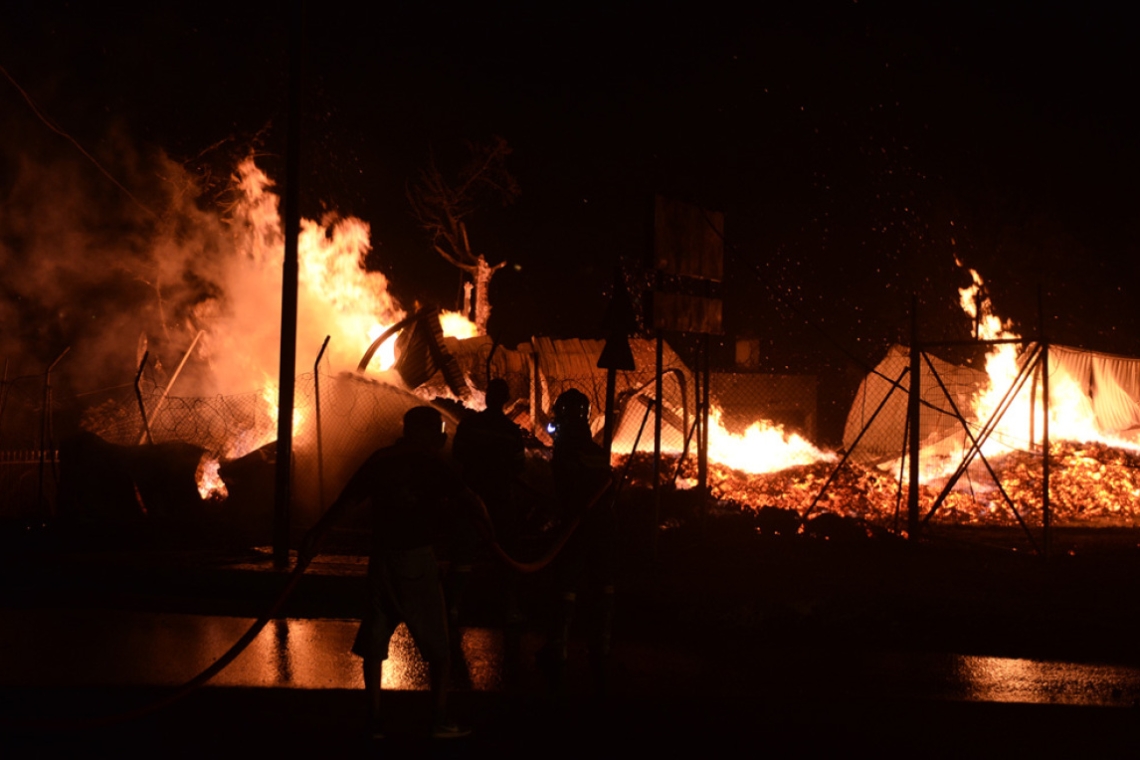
[855, 147]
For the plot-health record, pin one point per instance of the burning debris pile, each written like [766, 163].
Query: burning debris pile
[1093, 410]
[1090, 485]
[857, 491]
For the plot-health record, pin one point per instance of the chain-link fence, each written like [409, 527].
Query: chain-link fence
[29, 458]
[977, 431]
[773, 439]
[234, 437]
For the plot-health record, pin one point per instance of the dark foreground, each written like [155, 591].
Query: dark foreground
[221, 722]
[725, 640]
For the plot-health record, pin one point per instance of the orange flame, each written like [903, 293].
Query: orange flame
[210, 484]
[336, 297]
[1071, 415]
[455, 325]
[763, 447]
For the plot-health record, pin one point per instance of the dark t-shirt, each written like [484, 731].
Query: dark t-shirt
[580, 469]
[415, 495]
[490, 449]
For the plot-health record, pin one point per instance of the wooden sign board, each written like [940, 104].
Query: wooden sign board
[684, 313]
[687, 240]
[688, 254]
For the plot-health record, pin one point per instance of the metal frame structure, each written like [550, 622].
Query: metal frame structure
[1037, 356]
[1036, 363]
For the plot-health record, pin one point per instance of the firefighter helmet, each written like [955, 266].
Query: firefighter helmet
[571, 413]
[572, 405]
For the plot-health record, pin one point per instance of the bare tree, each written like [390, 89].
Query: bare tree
[442, 206]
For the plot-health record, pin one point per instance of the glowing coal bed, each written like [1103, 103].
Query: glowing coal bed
[1091, 484]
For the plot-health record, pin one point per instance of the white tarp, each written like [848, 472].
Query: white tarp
[1111, 385]
[884, 439]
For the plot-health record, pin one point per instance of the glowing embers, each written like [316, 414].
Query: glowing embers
[1090, 484]
[857, 491]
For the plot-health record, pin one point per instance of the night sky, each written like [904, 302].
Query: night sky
[854, 147]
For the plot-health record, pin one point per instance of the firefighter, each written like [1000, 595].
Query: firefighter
[489, 447]
[586, 563]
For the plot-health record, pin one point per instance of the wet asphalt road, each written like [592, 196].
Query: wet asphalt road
[123, 632]
[91, 648]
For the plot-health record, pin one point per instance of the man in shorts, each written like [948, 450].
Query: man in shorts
[415, 496]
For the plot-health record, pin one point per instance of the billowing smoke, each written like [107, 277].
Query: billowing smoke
[108, 273]
[91, 269]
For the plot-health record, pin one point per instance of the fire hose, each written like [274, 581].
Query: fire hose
[303, 562]
[185, 689]
[546, 559]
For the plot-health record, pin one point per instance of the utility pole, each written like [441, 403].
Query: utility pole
[288, 369]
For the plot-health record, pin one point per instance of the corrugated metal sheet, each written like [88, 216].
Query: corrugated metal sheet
[423, 352]
[541, 370]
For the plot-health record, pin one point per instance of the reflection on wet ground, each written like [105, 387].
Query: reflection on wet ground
[68, 648]
[998, 679]
[61, 647]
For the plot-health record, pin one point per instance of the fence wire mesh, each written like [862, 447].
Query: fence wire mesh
[29, 458]
[801, 443]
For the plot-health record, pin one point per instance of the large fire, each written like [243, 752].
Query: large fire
[1094, 473]
[338, 298]
[1021, 426]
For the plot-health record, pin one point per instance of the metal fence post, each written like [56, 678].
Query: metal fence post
[46, 433]
[658, 389]
[320, 449]
[3, 393]
[1045, 448]
[286, 384]
[914, 412]
[146, 436]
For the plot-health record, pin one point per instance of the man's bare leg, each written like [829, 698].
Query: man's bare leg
[439, 674]
[442, 725]
[373, 677]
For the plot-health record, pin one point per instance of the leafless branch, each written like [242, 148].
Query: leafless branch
[441, 207]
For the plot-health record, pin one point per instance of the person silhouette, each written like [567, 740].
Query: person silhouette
[490, 450]
[586, 563]
[415, 494]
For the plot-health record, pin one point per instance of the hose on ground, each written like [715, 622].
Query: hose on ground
[182, 691]
[303, 562]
